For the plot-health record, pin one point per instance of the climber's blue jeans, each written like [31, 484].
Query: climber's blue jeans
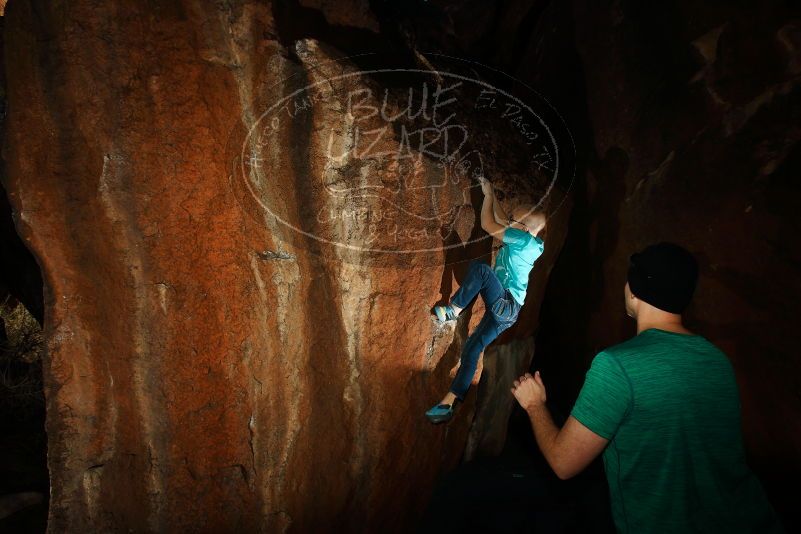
[501, 313]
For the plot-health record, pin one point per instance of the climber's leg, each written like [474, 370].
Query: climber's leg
[480, 279]
[484, 334]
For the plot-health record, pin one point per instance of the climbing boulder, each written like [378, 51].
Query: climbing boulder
[241, 232]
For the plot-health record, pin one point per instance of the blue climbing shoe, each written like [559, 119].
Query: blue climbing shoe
[444, 313]
[440, 413]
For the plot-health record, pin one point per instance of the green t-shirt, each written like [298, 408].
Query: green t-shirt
[515, 260]
[675, 462]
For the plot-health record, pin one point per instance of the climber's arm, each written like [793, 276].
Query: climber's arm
[497, 210]
[488, 222]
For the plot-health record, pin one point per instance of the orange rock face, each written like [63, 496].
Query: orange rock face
[239, 259]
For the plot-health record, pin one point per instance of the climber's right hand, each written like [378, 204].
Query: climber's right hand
[486, 185]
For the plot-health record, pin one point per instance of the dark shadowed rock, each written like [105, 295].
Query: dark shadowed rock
[694, 114]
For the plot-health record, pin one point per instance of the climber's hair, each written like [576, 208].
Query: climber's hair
[531, 216]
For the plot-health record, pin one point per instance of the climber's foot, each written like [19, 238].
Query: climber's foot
[441, 413]
[445, 313]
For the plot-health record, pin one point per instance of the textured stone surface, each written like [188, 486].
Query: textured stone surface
[694, 115]
[208, 367]
[20, 278]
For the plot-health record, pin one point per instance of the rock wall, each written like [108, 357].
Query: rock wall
[694, 116]
[226, 349]
[20, 279]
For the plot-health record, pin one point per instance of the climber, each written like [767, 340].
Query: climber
[502, 288]
[663, 408]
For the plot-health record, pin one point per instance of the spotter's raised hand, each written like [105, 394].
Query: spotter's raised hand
[529, 390]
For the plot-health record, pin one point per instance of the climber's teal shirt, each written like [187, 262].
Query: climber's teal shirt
[515, 259]
[675, 463]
